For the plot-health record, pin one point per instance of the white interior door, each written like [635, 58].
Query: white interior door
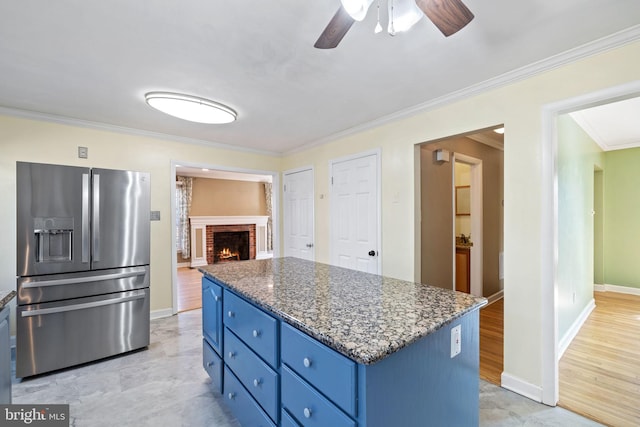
[355, 213]
[298, 214]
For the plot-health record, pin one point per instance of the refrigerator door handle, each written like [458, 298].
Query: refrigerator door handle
[82, 306]
[96, 218]
[75, 280]
[85, 219]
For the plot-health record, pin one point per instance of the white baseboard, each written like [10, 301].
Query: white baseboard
[495, 297]
[158, 314]
[617, 288]
[565, 341]
[521, 387]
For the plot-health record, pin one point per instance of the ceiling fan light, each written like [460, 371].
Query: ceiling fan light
[357, 9]
[403, 14]
[191, 108]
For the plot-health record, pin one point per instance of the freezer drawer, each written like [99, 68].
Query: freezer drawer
[55, 287]
[60, 334]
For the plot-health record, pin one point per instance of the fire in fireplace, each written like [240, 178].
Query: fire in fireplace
[230, 246]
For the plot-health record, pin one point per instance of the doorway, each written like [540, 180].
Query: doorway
[240, 192]
[469, 211]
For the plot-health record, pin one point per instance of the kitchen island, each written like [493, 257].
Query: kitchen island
[292, 342]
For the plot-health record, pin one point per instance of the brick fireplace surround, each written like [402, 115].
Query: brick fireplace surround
[251, 228]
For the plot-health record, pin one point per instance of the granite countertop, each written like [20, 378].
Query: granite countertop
[5, 297]
[364, 316]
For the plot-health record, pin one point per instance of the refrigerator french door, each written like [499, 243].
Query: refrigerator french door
[83, 265]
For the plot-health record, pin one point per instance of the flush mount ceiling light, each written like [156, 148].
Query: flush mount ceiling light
[499, 130]
[191, 108]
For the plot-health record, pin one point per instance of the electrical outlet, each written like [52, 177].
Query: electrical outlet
[83, 153]
[456, 341]
[155, 215]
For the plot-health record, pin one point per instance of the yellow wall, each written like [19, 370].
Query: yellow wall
[517, 105]
[44, 142]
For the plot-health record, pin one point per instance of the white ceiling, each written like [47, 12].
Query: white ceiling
[612, 126]
[92, 62]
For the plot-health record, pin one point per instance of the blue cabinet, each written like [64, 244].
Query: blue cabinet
[212, 314]
[272, 373]
[253, 326]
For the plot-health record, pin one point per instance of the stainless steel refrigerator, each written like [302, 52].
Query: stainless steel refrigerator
[83, 265]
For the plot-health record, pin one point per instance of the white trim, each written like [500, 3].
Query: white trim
[88, 124]
[495, 297]
[549, 223]
[521, 387]
[159, 314]
[568, 337]
[617, 289]
[275, 214]
[477, 221]
[313, 205]
[373, 152]
[603, 44]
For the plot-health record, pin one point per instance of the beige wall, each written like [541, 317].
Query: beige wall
[492, 193]
[220, 197]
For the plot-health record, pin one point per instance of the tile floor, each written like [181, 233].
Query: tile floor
[166, 385]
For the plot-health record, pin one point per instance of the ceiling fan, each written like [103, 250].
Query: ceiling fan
[449, 16]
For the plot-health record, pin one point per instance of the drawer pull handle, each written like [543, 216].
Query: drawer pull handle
[209, 364]
[231, 396]
[306, 362]
[216, 298]
[257, 382]
[232, 354]
[256, 333]
[307, 413]
[231, 314]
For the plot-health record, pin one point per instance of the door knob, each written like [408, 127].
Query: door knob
[372, 253]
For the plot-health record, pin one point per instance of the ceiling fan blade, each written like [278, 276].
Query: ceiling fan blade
[449, 16]
[335, 31]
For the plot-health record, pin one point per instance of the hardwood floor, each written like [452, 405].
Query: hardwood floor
[189, 289]
[600, 372]
[491, 342]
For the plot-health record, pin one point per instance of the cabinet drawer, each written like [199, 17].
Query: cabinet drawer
[213, 365]
[330, 372]
[256, 376]
[245, 409]
[253, 326]
[287, 420]
[212, 313]
[308, 406]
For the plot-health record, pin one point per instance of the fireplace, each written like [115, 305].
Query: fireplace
[202, 240]
[230, 243]
[230, 246]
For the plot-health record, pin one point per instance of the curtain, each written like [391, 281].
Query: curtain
[183, 206]
[268, 190]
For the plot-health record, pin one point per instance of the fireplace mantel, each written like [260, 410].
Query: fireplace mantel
[199, 241]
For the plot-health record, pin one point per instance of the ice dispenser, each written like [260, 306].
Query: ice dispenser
[54, 238]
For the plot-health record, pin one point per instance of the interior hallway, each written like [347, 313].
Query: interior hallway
[189, 289]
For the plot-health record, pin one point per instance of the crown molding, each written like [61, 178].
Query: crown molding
[603, 44]
[53, 118]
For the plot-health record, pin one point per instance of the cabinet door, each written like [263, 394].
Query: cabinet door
[212, 314]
